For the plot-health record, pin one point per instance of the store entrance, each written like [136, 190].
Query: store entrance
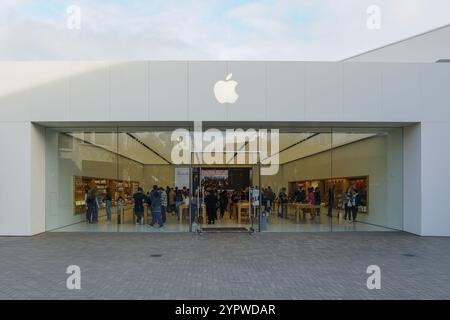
[225, 198]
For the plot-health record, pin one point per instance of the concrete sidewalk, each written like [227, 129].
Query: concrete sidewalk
[225, 266]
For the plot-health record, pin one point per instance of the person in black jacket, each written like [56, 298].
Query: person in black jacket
[283, 199]
[270, 199]
[211, 203]
[223, 202]
[91, 204]
[330, 201]
[139, 200]
[317, 200]
[178, 201]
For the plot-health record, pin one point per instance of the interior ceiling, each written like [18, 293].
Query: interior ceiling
[156, 147]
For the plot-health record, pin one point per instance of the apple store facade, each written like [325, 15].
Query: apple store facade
[233, 146]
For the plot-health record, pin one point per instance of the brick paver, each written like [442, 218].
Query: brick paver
[225, 266]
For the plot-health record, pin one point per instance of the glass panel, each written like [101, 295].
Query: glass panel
[152, 159]
[294, 163]
[80, 162]
[298, 189]
[225, 173]
[303, 177]
[367, 179]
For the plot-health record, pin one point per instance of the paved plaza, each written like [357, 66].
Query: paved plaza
[225, 266]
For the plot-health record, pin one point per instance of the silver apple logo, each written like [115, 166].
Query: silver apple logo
[225, 91]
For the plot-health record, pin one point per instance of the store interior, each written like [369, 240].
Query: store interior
[309, 160]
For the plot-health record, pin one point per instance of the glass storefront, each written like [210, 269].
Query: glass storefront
[251, 179]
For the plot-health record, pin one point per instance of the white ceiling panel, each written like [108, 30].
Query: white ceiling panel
[156, 147]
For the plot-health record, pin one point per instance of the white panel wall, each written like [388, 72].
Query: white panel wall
[401, 92]
[89, 93]
[324, 94]
[202, 103]
[412, 190]
[435, 92]
[168, 91]
[435, 150]
[286, 91]
[49, 99]
[251, 78]
[362, 92]
[37, 175]
[15, 96]
[15, 172]
[178, 91]
[428, 47]
[129, 91]
[435, 156]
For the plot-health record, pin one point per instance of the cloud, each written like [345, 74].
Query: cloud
[209, 30]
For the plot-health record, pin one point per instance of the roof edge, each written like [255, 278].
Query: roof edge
[396, 42]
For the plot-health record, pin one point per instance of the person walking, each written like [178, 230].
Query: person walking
[86, 196]
[178, 201]
[98, 204]
[330, 201]
[355, 204]
[139, 199]
[282, 197]
[211, 206]
[194, 206]
[153, 192]
[91, 204]
[270, 199]
[223, 203]
[348, 203]
[164, 203]
[156, 210]
[311, 201]
[99, 200]
[317, 200]
[168, 200]
[171, 198]
[150, 196]
[108, 200]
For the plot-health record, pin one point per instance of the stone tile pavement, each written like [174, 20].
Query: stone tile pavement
[225, 266]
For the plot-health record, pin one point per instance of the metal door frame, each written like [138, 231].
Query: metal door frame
[192, 165]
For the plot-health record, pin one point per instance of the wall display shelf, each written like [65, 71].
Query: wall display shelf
[361, 183]
[82, 184]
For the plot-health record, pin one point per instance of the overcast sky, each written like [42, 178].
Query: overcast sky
[326, 30]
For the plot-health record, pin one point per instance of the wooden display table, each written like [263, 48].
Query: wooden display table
[299, 207]
[185, 208]
[128, 208]
[242, 205]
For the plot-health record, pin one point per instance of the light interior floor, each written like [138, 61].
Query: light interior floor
[322, 223]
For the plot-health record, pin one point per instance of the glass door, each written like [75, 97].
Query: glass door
[225, 197]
